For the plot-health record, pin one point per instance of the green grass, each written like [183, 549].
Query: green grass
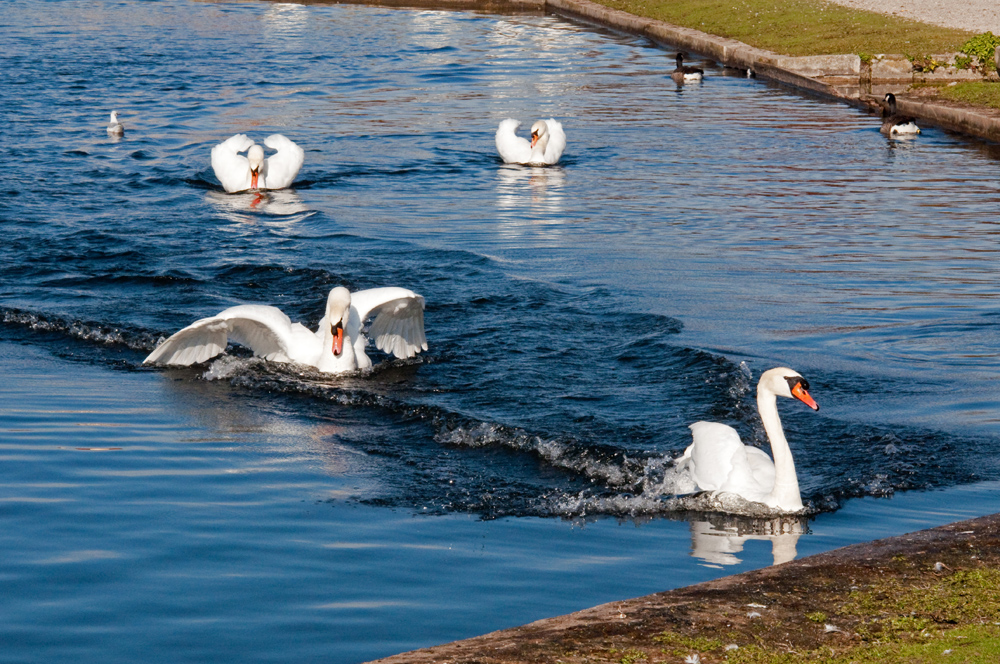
[979, 93]
[979, 644]
[892, 623]
[800, 27]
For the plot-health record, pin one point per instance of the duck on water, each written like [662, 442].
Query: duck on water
[894, 123]
[685, 73]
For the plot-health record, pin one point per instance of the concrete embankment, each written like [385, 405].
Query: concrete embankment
[843, 77]
[830, 604]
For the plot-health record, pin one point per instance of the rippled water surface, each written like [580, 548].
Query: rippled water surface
[579, 318]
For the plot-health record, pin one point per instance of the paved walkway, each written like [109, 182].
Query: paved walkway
[975, 15]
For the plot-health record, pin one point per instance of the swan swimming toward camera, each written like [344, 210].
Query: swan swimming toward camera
[548, 140]
[239, 173]
[718, 461]
[338, 345]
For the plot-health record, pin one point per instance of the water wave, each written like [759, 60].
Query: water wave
[99, 333]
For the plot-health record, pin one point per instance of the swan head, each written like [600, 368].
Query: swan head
[114, 117]
[338, 307]
[785, 382]
[255, 155]
[539, 132]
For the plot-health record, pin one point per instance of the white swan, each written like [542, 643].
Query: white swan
[115, 128]
[338, 344]
[546, 147]
[239, 173]
[718, 461]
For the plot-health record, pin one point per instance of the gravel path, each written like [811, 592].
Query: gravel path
[975, 15]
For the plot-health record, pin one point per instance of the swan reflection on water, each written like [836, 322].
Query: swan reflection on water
[530, 188]
[717, 541]
[283, 205]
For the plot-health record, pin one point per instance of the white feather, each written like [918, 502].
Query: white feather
[278, 172]
[514, 149]
[397, 328]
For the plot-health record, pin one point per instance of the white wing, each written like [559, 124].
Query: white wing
[512, 148]
[557, 141]
[265, 330]
[711, 454]
[398, 327]
[232, 169]
[283, 166]
[719, 461]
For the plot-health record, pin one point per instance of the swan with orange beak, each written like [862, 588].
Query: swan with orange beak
[255, 155]
[717, 460]
[548, 141]
[255, 171]
[338, 344]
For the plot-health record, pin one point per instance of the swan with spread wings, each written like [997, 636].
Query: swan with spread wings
[338, 345]
[254, 171]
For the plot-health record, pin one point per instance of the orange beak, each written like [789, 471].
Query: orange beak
[338, 339]
[800, 393]
[253, 179]
[534, 139]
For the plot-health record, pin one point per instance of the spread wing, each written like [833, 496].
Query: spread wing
[232, 168]
[283, 166]
[265, 330]
[398, 325]
[557, 141]
[512, 148]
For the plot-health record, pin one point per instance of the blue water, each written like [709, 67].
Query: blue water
[579, 318]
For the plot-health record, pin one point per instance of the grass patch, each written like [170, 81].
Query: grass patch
[975, 643]
[800, 27]
[965, 596]
[681, 646]
[979, 644]
[955, 618]
[979, 93]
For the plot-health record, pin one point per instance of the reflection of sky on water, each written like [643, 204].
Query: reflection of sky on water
[285, 21]
[281, 440]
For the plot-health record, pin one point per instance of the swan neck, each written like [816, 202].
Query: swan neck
[327, 361]
[785, 493]
[541, 144]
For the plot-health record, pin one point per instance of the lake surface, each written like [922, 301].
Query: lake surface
[579, 317]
